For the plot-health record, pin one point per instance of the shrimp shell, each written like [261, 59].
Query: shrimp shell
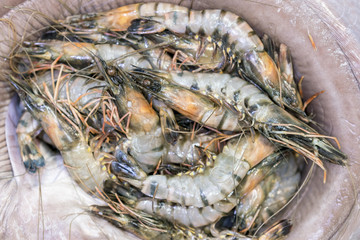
[82, 166]
[271, 120]
[231, 32]
[215, 183]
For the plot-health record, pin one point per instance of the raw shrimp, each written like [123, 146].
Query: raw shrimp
[83, 93]
[148, 227]
[199, 217]
[143, 225]
[82, 55]
[199, 55]
[215, 183]
[228, 30]
[252, 105]
[274, 193]
[282, 57]
[67, 137]
[183, 148]
[145, 141]
[187, 151]
[169, 126]
[286, 183]
[195, 106]
[154, 53]
[190, 53]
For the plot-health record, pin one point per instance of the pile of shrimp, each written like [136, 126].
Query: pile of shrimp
[186, 123]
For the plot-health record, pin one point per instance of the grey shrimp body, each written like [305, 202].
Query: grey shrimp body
[253, 106]
[77, 155]
[229, 168]
[228, 30]
[83, 55]
[199, 217]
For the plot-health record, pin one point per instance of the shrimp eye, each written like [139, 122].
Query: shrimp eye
[111, 71]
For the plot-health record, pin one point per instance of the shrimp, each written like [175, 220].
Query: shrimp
[169, 126]
[145, 141]
[186, 150]
[282, 57]
[229, 31]
[81, 54]
[196, 54]
[66, 136]
[253, 107]
[190, 53]
[82, 93]
[195, 106]
[274, 193]
[147, 226]
[287, 180]
[198, 217]
[144, 227]
[214, 183]
[152, 52]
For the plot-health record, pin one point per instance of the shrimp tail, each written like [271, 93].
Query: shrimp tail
[277, 231]
[142, 225]
[126, 166]
[29, 146]
[293, 133]
[145, 26]
[128, 194]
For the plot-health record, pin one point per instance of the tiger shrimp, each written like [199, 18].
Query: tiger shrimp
[252, 106]
[87, 171]
[214, 183]
[273, 194]
[195, 54]
[198, 217]
[229, 31]
[145, 141]
[282, 57]
[287, 181]
[183, 147]
[187, 151]
[197, 107]
[189, 53]
[82, 54]
[147, 227]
